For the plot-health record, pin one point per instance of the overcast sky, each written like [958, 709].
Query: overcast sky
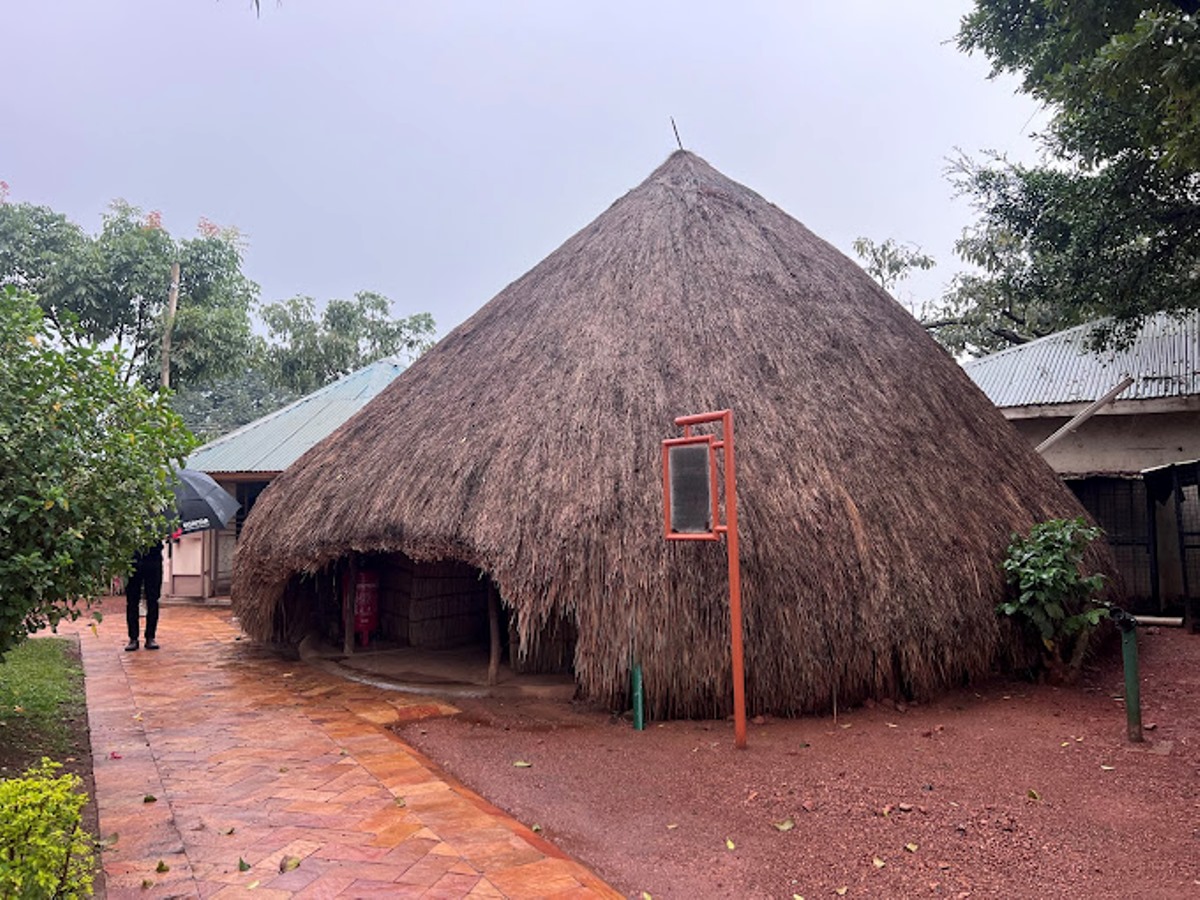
[436, 151]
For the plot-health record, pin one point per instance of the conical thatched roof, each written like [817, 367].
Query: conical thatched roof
[878, 486]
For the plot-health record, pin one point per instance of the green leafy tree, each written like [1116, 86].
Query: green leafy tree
[220, 406]
[890, 262]
[306, 350]
[1123, 76]
[1051, 596]
[1109, 225]
[85, 463]
[112, 288]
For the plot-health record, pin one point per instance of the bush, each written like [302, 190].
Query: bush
[1050, 593]
[44, 851]
[85, 468]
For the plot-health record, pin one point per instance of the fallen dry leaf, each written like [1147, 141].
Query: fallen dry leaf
[841, 892]
[786, 825]
[912, 848]
[877, 862]
[521, 764]
[1107, 768]
[672, 826]
[149, 798]
[729, 844]
[243, 866]
[1033, 795]
[288, 863]
[162, 867]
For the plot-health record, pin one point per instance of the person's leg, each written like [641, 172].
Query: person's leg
[153, 579]
[133, 590]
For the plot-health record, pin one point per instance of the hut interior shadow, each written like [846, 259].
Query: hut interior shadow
[417, 622]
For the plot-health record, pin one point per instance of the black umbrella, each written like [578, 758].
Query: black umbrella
[201, 503]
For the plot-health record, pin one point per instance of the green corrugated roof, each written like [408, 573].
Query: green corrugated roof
[277, 440]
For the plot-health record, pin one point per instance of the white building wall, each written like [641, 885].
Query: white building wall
[1116, 443]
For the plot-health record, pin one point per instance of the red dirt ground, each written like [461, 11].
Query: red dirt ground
[1009, 789]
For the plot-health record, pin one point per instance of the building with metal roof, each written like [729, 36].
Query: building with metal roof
[271, 444]
[245, 461]
[1153, 523]
[1061, 369]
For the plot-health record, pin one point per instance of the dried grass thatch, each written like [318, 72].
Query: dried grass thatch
[878, 486]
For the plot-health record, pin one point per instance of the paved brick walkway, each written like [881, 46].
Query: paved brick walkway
[274, 780]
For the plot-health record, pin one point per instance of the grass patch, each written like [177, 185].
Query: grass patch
[41, 703]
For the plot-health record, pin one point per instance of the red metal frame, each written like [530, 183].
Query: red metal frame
[671, 534]
[730, 530]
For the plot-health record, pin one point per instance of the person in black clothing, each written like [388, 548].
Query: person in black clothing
[147, 573]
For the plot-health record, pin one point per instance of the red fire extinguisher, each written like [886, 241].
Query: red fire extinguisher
[366, 605]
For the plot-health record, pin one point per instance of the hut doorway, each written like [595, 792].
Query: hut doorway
[437, 622]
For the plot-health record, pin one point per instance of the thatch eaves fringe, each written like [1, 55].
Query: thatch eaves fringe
[878, 486]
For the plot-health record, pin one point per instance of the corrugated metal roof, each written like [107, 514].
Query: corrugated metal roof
[1163, 360]
[277, 440]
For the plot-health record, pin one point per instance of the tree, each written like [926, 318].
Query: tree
[305, 351]
[1109, 225]
[889, 263]
[1123, 76]
[115, 285]
[216, 408]
[85, 463]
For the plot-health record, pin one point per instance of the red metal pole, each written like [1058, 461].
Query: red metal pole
[735, 589]
[730, 530]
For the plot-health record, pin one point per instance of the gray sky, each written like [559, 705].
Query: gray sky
[436, 151]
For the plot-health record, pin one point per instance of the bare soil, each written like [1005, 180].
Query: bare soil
[1006, 789]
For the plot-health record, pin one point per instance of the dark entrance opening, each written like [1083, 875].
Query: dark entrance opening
[435, 622]
[1174, 503]
[1119, 507]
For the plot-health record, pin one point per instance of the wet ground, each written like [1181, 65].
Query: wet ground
[223, 771]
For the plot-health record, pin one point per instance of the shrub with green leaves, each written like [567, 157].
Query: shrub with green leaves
[44, 851]
[85, 468]
[1050, 593]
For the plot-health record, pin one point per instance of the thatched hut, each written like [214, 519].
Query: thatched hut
[878, 486]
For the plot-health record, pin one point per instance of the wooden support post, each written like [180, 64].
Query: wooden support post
[172, 304]
[350, 573]
[1092, 408]
[494, 629]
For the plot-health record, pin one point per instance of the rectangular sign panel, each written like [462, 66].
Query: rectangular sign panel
[689, 472]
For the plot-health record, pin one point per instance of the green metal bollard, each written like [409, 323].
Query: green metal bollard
[1133, 691]
[639, 709]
